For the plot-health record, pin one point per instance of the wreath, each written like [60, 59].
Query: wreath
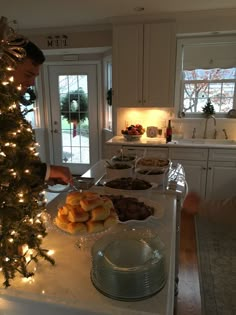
[109, 96]
[28, 98]
[74, 106]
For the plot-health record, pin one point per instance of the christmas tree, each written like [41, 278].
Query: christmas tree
[208, 109]
[22, 195]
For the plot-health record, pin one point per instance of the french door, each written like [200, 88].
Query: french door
[74, 116]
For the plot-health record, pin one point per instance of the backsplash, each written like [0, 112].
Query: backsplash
[182, 127]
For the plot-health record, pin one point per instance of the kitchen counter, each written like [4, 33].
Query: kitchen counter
[160, 142]
[66, 288]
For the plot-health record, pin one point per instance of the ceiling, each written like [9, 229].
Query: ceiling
[30, 14]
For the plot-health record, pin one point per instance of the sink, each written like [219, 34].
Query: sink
[205, 141]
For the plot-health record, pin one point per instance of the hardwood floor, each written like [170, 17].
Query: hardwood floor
[188, 299]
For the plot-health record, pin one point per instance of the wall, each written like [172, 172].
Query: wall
[187, 23]
[212, 22]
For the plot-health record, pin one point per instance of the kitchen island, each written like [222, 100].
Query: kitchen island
[66, 288]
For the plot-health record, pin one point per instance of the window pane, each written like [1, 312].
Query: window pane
[216, 84]
[74, 118]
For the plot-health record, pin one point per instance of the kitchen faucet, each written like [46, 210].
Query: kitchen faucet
[205, 130]
[225, 133]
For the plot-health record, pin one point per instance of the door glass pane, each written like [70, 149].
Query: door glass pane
[73, 95]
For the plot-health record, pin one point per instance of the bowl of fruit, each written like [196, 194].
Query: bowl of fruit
[133, 132]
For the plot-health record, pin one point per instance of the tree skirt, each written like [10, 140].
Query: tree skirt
[216, 245]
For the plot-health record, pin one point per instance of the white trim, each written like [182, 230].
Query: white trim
[194, 40]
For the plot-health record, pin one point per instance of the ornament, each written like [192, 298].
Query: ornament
[13, 51]
[11, 45]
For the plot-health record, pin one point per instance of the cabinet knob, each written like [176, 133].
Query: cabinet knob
[209, 168]
[204, 168]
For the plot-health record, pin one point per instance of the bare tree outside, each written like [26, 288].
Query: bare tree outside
[217, 84]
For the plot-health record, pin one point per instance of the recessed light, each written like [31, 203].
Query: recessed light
[139, 9]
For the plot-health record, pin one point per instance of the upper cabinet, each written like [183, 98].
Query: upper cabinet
[144, 64]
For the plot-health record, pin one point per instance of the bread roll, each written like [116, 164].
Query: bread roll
[90, 194]
[99, 213]
[107, 203]
[62, 222]
[74, 197]
[111, 220]
[90, 203]
[93, 227]
[63, 210]
[77, 227]
[77, 214]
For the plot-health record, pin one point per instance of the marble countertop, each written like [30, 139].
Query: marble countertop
[67, 289]
[160, 142]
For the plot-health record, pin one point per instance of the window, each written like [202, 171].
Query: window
[30, 107]
[107, 62]
[207, 70]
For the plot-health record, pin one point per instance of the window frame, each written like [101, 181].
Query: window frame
[107, 62]
[179, 81]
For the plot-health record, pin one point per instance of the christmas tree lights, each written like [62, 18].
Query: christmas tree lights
[22, 195]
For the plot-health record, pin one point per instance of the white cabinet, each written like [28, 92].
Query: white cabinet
[221, 175]
[210, 172]
[140, 151]
[194, 162]
[144, 64]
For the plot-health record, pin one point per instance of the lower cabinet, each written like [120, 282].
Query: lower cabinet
[139, 151]
[221, 175]
[195, 174]
[209, 172]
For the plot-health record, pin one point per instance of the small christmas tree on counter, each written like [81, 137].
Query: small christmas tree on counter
[208, 109]
[22, 197]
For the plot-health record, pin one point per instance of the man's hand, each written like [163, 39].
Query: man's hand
[60, 175]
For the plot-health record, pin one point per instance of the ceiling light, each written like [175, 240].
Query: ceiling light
[139, 9]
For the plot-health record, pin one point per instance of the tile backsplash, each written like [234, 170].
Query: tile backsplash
[182, 127]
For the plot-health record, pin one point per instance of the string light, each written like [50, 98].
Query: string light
[16, 194]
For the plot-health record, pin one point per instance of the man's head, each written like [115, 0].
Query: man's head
[27, 70]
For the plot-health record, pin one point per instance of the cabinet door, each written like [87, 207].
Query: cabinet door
[139, 151]
[159, 64]
[195, 175]
[127, 65]
[221, 180]
[111, 150]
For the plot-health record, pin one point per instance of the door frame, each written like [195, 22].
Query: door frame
[47, 117]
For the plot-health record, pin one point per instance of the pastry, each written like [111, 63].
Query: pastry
[75, 227]
[111, 220]
[77, 214]
[90, 203]
[62, 222]
[107, 203]
[99, 213]
[85, 212]
[74, 197]
[63, 210]
[94, 226]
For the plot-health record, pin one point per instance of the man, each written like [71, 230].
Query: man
[24, 75]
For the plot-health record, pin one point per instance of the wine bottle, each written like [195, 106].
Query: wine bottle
[169, 132]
